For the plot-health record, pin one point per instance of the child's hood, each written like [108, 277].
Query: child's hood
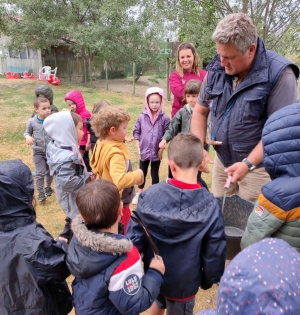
[102, 150]
[154, 90]
[61, 128]
[185, 213]
[76, 97]
[97, 251]
[16, 194]
[46, 91]
[266, 274]
[64, 145]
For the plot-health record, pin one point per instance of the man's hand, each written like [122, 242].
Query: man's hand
[29, 140]
[238, 171]
[206, 159]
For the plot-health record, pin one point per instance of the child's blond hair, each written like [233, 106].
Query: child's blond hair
[98, 105]
[107, 117]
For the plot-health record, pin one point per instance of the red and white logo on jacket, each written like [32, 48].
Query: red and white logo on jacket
[127, 276]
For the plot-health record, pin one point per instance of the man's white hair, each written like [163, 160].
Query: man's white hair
[236, 28]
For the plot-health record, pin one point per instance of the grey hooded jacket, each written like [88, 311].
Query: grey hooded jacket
[35, 129]
[65, 162]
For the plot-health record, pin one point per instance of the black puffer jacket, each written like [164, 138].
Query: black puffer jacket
[32, 264]
[48, 93]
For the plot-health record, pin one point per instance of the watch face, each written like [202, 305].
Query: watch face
[250, 166]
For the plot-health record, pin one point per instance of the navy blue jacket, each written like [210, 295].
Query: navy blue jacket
[188, 228]
[32, 263]
[108, 274]
[241, 131]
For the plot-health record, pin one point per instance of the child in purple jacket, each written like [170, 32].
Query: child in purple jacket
[148, 131]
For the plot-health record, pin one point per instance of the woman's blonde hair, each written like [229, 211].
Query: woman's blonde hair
[107, 117]
[196, 64]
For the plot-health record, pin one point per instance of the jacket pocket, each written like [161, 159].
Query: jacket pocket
[240, 151]
[254, 108]
[213, 99]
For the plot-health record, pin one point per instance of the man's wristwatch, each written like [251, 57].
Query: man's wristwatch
[251, 167]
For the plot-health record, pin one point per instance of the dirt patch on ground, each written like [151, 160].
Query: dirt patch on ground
[126, 85]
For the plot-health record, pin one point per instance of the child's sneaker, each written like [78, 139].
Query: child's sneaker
[48, 191]
[135, 199]
[42, 197]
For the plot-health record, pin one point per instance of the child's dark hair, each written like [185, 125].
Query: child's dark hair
[98, 203]
[186, 150]
[76, 118]
[38, 100]
[98, 105]
[192, 87]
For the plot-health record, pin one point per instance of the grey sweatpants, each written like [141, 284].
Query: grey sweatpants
[42, 171]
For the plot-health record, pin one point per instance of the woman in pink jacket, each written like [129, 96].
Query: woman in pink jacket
[76, 103]
[187, 68]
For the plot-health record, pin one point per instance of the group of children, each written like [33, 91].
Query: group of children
[182, 217]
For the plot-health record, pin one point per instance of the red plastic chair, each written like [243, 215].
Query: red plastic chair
[25, 75]
[8, 75]
[55, 81]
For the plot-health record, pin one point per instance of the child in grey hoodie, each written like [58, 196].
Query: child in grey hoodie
[66, 163]
[38, 139]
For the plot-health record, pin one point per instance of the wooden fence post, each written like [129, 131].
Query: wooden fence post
[133, 75]
[106, 74]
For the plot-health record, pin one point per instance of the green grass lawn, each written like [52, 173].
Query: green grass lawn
[16, 104]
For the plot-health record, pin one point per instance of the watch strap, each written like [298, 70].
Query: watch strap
[251, 167]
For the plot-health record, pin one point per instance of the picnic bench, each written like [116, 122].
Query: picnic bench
[17, 69]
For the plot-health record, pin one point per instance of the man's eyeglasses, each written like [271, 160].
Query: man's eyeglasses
[136, 218]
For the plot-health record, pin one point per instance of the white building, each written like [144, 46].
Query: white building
[26, 57]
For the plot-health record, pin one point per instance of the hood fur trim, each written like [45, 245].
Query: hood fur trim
[99, 242]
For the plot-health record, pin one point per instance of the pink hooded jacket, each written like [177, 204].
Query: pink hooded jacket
[77, 98]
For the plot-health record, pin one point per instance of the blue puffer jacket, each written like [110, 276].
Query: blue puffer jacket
[277, 211]
[108, 274]
[241, 131]
[188, 228]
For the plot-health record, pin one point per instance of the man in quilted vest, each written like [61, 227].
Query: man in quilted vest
[245, 84]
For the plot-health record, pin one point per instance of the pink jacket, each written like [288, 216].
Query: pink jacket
[177, 85]
[76, 97]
